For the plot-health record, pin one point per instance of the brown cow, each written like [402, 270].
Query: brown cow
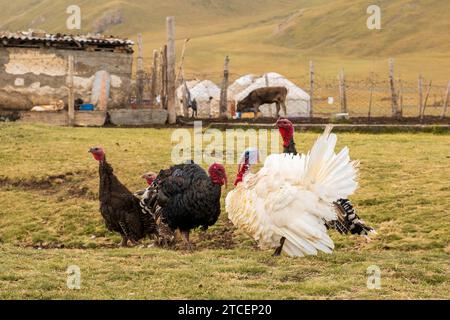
[261, 96]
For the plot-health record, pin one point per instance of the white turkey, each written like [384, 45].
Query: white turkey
[285, 204]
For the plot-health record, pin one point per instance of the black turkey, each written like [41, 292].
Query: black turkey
[119, 207]
[185, 197]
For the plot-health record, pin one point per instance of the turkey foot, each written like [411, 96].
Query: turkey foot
[278, 251]
[124, 242]
[185, 236]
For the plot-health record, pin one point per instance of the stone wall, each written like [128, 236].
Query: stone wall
[40, 74]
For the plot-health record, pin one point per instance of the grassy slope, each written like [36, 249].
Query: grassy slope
[333, 33]
[50, 200]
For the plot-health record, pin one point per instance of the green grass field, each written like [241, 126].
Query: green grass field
[49, 220]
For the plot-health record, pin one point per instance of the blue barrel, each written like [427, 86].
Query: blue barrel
[87, 107]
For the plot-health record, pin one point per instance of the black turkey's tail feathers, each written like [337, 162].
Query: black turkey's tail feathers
[164, 235]
[347, 220]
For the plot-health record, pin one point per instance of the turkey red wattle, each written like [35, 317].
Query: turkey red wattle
[242, 171]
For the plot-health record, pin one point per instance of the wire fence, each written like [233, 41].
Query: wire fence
[370, 97]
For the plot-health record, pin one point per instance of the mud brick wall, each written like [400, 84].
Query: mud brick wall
[39, 74]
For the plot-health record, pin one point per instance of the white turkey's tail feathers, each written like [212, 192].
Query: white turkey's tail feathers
[329, 175]
[333, 178]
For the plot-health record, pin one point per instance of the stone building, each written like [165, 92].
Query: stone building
[33, 68]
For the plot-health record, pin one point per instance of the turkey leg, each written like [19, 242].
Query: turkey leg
[280, 248]
[185, 236]
[124, 242]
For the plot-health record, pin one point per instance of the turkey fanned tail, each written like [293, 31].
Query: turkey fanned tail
[149, 206]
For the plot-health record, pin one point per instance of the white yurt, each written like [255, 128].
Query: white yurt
[179, 104]
[298, 101]
[207, 95]
[240, 85]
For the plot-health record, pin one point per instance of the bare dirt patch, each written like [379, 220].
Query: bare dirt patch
[52, 184]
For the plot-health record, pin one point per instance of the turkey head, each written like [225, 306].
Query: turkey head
[286, 129]
[98, 153]
[218, 174]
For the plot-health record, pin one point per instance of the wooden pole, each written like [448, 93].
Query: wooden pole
[420, 95]
[154, 74]
[180, 76]
[224, 89]
[186, 100]
[163, 71]
[311, 89]
[400, 96]
[394, 101]
[71, 96]
[342, 91]
[181, 80]
[444, 110]
[426, 100]
[371, 98]
[171, 60]
[140, 73]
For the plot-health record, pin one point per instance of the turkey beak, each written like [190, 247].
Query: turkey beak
[91, 150]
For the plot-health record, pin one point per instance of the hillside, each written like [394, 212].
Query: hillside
[265, 35]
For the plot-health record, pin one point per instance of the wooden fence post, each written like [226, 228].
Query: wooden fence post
[71, 96]
[140, 73]
[371, 98]
[180, 75]
[224, 89]
[342, 92]
[163, 71]
[180, 80]
[171, 60]
[426, 101]
[400, 97]
[444, 110]
[186, 100]
[420, 95]
[154, 74]
[394, 101]
[311, 89]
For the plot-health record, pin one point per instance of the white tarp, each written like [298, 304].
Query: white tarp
[298, 101]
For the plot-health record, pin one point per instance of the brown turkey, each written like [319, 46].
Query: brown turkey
[186, 198]
[119, 207]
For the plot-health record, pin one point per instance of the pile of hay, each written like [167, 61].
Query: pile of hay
[14, 101]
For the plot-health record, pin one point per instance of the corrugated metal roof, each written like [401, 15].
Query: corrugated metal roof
[61, 38]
